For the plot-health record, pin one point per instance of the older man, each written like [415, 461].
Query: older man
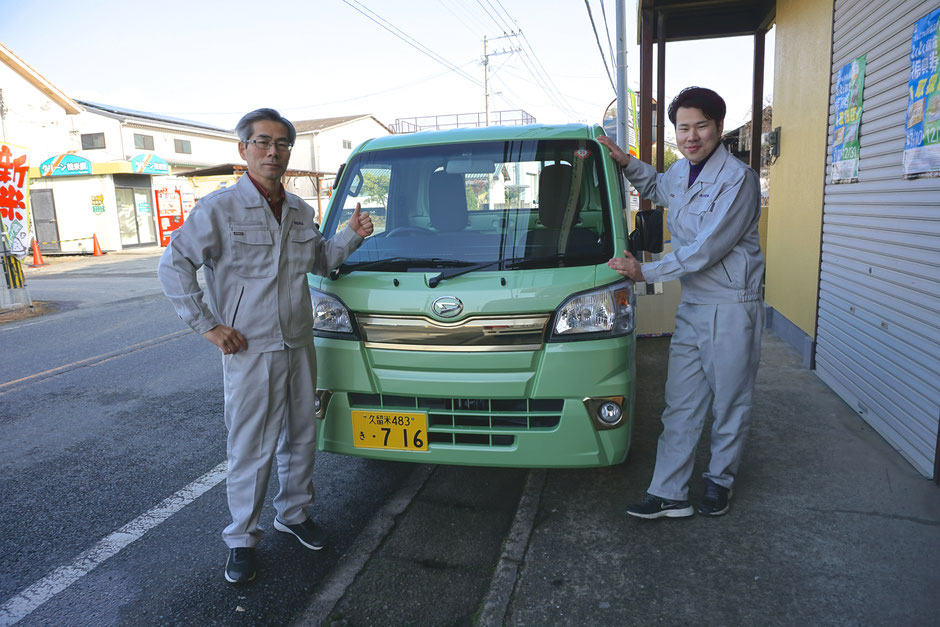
[256, 244]
[714, 208]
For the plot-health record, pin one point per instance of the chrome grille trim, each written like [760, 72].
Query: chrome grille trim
[475, 334]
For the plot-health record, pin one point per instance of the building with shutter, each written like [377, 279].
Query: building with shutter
[853, 224]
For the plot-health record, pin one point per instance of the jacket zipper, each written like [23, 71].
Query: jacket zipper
[726, 272]
[237, 305]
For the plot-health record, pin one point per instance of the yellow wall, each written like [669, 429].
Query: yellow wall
[801, 108]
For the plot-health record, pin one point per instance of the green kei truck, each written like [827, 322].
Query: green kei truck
[480, 323]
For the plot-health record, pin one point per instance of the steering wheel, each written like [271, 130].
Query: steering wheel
[409, 230]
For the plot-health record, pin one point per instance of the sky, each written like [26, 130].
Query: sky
[212, 61]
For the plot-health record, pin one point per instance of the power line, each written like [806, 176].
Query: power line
[531, 61]
[411, 41]
[610, 44]
[599, 47]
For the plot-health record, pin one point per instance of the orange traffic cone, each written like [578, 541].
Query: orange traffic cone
[97, 250]
[37, 257]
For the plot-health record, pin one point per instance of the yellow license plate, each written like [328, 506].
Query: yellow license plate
[391, 430]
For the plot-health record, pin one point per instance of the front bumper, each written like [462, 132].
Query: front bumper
[512, 409]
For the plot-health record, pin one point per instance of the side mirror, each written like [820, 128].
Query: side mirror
[648, 234]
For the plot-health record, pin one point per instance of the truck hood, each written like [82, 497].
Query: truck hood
[483, 292]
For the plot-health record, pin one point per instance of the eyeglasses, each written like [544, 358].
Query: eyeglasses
[264, 144]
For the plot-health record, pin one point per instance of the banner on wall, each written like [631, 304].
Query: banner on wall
[922, 136]
[65, 165]
[149, 164]
[14, 198]
[848, 111]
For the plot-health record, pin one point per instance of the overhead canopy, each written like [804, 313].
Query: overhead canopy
[703, 19]
[663, 21]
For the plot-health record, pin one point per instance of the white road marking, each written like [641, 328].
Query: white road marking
[21, 605]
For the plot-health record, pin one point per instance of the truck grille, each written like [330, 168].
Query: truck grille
[473, 421]
[475, 334]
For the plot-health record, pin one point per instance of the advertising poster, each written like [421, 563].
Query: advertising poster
[848, 110]
[14, 198]
[922, 128]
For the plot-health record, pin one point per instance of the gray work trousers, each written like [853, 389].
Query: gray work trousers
[713, 360]
[269, 413]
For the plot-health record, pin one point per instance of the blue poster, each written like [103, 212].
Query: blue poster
[922, 129]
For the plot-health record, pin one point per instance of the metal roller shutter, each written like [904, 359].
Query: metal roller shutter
[878, 325]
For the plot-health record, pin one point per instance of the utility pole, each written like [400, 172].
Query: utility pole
[622, 139]
[486, 68]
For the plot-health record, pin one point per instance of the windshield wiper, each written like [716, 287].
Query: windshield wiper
[452, 272]
[398, 262]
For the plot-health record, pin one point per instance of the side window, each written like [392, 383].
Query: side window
[369, 188]
[92, 141]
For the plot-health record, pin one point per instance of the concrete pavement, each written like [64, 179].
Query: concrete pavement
[828, 525]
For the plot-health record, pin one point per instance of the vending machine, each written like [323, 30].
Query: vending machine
[169, 212]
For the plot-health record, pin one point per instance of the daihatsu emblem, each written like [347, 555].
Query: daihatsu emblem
[447, 306]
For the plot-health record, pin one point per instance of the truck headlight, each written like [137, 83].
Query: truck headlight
[331, 318]
[605, 312]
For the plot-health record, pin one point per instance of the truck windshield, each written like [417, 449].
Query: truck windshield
[481, 205]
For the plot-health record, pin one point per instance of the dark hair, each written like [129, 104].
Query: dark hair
[246, 124]
[711, 104]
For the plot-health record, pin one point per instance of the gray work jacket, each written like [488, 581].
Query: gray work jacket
[255, 269]
[715, 243]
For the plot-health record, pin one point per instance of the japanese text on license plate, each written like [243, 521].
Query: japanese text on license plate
[400, 431]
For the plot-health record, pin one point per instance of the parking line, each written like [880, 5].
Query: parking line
[21, 605]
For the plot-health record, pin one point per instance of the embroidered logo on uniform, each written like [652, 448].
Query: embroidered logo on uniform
[581, 153]
[704, 195]
[297, 222]
[238, 232]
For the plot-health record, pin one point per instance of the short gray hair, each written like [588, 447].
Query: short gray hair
[246, 124]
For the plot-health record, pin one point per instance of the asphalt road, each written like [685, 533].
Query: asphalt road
[112, 454]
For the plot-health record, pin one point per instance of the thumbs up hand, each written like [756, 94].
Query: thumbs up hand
[361, 223]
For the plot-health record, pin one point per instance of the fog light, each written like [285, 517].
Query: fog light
[320, 402]
[609, 412]
[606, 412]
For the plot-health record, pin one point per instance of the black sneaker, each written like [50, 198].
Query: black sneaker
[717, 499]
[654, 506]
[240, 565]
[308, 533]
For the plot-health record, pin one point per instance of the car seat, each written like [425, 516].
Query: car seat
[554, 190]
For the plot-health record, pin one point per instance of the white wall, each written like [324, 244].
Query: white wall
[207, 149]
[33, 120]
[74, 216]
[324, 150]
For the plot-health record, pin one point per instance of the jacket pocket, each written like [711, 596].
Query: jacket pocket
[253, 252]
[301, 246]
